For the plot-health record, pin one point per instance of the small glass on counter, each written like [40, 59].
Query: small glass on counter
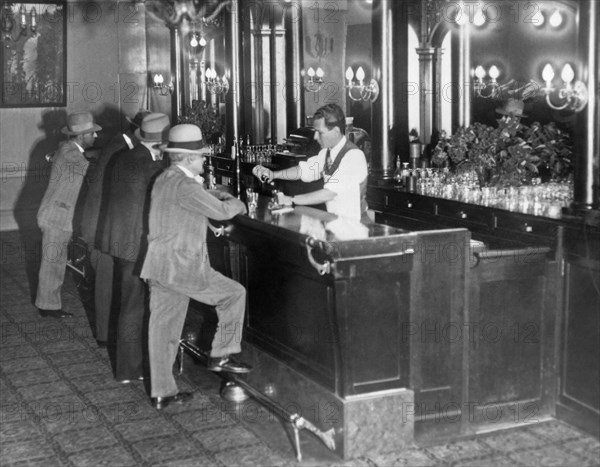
[251, 200]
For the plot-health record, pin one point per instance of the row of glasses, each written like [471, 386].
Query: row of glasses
[540, 199]
[261, 154]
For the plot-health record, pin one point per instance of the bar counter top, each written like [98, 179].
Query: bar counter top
[337, 236]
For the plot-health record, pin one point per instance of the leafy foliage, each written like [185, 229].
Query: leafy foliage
[510, 154]
[205, 116]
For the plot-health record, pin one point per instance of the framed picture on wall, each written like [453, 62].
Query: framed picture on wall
[33, 52]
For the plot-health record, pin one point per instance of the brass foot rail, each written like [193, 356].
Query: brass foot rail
[298, 423]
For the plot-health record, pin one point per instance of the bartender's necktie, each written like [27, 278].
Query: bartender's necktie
[328, 161]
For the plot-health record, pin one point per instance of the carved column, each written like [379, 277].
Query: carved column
[233, 71]
[294, 63]
[587, 145]
[426, 91]
[390, 111]
[436, 104]
[464, 78]
[176, 73]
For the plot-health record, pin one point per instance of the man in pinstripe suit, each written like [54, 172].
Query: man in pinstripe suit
[55, 216]
[177, 266]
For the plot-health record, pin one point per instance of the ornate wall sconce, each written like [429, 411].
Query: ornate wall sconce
[214, 84]
[572, 96]
[162, 88]
[359, 91]
[26, 21]
[315, 80]
[490, 88]
[197, 40]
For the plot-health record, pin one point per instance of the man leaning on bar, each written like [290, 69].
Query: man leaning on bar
[178, 269]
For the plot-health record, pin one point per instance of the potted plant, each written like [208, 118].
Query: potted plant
[205, 116]
[511, 154]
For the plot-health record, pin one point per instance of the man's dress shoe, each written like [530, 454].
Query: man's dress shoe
[128, 381]
[179, 398]
[54, 313]
[227, 364]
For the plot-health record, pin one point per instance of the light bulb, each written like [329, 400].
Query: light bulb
[320, 72]
[311, 72]
[567, 74]
[494, 72]
[480, 72]
[33, 19]
[548, 75]
[23, 16]
[202, 41]
[360, 74]
[479, 19]
[461, 18]
[538, 19]
[194, 41]
[349, 74]
[556, 19]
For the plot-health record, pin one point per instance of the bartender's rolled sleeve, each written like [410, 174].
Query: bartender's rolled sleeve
[312, 168]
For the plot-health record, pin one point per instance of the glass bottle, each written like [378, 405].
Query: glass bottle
[350, 129]
[398, 181]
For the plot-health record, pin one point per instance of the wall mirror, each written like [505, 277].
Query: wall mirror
[515, 46]
[337, 52]
[297, 56]
[204, 79]
[501, 50]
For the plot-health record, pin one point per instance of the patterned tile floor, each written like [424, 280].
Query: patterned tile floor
[60, 405]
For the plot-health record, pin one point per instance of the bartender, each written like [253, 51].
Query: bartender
[340, 163]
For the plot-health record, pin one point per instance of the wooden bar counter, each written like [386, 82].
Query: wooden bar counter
[330, 306]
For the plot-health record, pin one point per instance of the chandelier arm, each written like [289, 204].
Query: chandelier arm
[313, 86]
[350, 88]
[552, 106]
[215, 13]
[493, 92]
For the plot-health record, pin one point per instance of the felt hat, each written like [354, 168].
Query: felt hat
[154, 128]
[512, 107]
[137, 119]
[185, 138]
[80, 123]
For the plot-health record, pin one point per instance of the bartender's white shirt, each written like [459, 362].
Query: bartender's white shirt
[344, 182]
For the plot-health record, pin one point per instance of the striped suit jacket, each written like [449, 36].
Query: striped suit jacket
[179, 211]
[66, 177]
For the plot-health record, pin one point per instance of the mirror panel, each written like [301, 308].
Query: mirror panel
[519, 38]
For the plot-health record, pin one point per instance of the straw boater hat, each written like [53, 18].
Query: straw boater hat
[80, 123]
[513, 108]
[153, 129]
[185, 139]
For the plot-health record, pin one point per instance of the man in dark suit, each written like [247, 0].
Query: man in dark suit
[93, 221]
[131, 177]
[55, 216]
[177, 266]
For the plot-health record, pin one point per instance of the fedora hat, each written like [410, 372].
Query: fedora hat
[512, 107]
[80, 123]
[185, 138]
[153, 128]
[137, 119]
